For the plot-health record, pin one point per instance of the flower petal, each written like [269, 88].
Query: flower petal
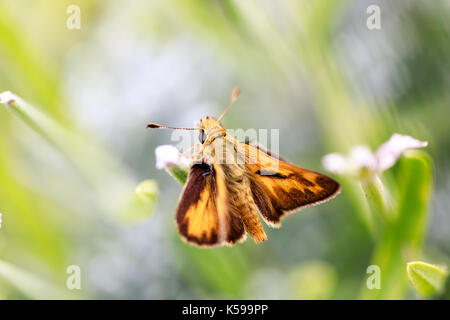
[168, 155]
[388, 153]
[360, 164]
[363, 158]
[336, 163]
[7, 97]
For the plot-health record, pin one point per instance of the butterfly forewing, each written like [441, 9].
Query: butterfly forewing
[203, 216]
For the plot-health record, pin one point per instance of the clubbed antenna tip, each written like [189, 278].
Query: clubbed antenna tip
[153, 125]
[233, 98]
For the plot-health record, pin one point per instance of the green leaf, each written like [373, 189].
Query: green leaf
[426, 278]
[178, 173]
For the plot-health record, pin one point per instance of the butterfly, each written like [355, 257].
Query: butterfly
[230, 182]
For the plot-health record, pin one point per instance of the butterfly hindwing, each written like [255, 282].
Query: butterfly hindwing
[203, 216]
[279, 187]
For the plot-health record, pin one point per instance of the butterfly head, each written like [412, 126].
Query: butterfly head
[210, 128]
[208, 123]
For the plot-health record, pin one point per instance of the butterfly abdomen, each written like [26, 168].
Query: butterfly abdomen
[250, 216]
[242, 201]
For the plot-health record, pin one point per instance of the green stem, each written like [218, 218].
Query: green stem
[379, 201]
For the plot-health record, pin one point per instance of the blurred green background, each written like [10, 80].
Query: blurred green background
[70, 164]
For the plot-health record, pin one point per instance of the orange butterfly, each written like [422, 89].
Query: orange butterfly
[230, 181]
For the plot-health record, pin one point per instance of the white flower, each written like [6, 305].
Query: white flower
[363, 164]
[0, 220]
[388, 153]
[7, 97]
[169, 156]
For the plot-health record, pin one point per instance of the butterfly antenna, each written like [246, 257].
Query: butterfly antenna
[233, 98]
[158, 126]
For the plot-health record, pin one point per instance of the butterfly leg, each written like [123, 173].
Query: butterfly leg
[197, 156]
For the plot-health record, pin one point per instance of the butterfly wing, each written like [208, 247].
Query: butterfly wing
[279, 187]
[203, 217]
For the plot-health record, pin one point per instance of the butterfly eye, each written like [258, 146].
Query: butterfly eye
[202, 136]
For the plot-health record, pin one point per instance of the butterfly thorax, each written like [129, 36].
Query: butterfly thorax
[217, 147]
